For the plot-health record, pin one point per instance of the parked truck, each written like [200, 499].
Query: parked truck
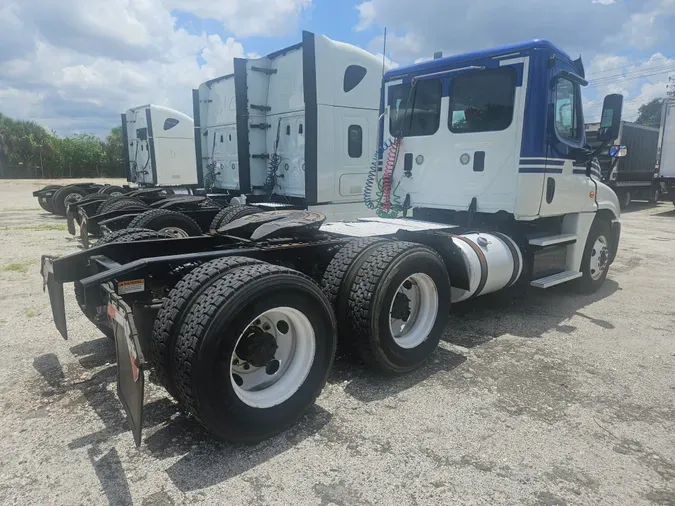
[632, 177]
[159, 154]
[486, 150]
[666, 150]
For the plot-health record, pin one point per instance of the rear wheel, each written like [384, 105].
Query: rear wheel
[174, 308]
[596, 259]
[339, 276]
[121, 202]
[172, 223]
[231, 213]
[65, 196]
[398, 306]
[254, 352]
[112, 190]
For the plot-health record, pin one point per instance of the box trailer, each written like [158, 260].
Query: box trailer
[631, 177]
[666, 149]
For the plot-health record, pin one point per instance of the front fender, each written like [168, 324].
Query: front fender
[606, 199]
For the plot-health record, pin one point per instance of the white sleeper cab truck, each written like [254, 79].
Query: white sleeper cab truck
[666, 149]
[159, 147]
[297, 127]
[158, 151]
[486, 150]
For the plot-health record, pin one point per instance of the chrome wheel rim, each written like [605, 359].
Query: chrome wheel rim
[272, 357]
[413, 311]
[599, 257]
[174, 232]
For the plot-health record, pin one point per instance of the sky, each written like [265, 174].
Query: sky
[75, 65]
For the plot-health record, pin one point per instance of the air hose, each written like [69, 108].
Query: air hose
[275, 162]
[387, 203]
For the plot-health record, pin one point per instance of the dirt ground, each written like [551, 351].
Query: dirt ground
[547, 398]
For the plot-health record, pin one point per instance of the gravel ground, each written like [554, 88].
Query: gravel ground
[547, 398]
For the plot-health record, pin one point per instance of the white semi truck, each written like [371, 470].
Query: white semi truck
[485, 156]
[666, 149]
[159, 152]
[295, 128]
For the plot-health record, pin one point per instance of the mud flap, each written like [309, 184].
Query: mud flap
[71, 221]
[130, 362]
[55, 290]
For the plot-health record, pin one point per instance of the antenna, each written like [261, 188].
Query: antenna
[384, 52]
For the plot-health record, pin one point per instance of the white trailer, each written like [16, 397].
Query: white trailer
[666, 149]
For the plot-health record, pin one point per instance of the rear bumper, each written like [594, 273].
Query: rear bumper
[616, 236]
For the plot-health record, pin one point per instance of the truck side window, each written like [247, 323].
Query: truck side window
[566, 115]
[416, 111]
[482, 101]
[353, 76]
[355, 141]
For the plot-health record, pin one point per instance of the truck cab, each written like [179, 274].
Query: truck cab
[501, 128]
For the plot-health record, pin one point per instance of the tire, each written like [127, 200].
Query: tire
[625, 199]
[204, 364]
[118, 203]
[64, 196]
[231, 213]
[171, 222]
[171, 315]
[378, 283]
[48, 205]
[338, 278]
[130, 235]
[126, 235]
[654, 196]
[113, 190]
[590, 281]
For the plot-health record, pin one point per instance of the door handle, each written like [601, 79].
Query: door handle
[550, 190]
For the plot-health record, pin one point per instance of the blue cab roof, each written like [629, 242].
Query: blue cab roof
[458, 59]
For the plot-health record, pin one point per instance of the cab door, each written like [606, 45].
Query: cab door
[567, 188]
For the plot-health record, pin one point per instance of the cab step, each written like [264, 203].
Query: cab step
[556, 279]
[551, 240]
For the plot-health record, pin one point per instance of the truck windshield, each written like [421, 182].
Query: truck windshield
[415, 111]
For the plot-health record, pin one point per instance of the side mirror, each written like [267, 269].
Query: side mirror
[618, 151]
[610, 123]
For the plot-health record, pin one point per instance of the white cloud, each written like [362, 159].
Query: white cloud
[366, 15]
[76, 65]
[246, 17]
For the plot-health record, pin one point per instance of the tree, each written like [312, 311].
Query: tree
[650, 113]
[114, 152]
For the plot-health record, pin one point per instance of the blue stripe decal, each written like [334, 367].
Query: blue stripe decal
[579, 171]
[542, 161]
[539, 170]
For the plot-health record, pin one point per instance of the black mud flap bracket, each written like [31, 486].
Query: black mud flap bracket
[71, 221]
[84, 232]
[130, 360]
[55, 290]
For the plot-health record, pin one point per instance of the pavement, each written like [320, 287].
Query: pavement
[542, 398]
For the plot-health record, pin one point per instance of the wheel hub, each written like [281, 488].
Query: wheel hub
[599, 257]
[174, 232]
[257, 347]
[400, 309]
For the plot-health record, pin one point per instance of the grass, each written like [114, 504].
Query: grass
[42, 227]
[17, 266]
[32, 312]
